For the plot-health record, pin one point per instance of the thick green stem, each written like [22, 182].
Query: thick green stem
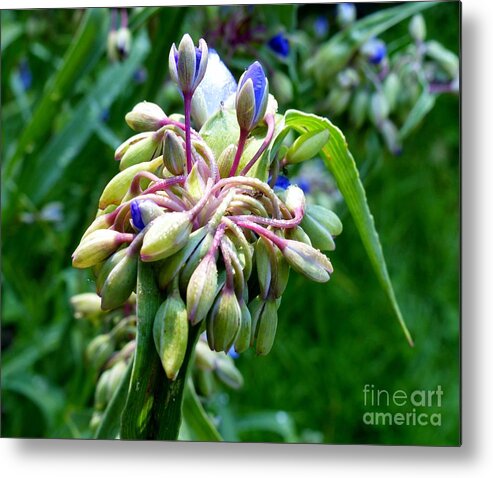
[153, 406]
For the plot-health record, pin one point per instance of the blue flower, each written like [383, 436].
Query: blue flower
[253, 88]
[375, 50]
[304, 185]
[217, 86]
[25, 75]
[187, 63]
[140, 75]
[321, 26]
[105, 115]
[280, 44]
[136, 215]
[233, 353]
[282, 182]
[346, 14]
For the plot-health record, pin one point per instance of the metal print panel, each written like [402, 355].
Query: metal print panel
[232, 223]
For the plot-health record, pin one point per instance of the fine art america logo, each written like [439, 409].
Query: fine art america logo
[398, 407]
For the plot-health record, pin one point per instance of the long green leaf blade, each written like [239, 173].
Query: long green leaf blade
[341, 164]
[56, 157]
[196, 418]
[84, 52]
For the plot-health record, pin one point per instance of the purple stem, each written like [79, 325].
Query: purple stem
[187, 99]
[164, 184]
[239, 152]
[279, 242]
[124, 18]
[216, 241]
[269, 119]
[440, 88]
[228, 267]
[267, 221]
[135, 185]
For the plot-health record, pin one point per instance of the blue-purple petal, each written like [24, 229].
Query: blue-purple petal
[136, 215]
[280, 44]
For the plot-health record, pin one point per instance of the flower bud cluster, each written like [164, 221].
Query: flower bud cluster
[222, 244]
[379, 86]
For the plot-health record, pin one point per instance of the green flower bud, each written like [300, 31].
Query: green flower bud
[201, 290]
[174, 157]
[307, 261]
[142, 151]
[227, 372]
[170, 332]
[295, 199]
[195, 182]
[194, 260]
[251, 97]
[205, 358]
[391, 89]
[391, 137]
[417, 28]
[166, 235]
[107, 267]
[120, 283]
[359, 108]
[298, 234]
[225, 160]
[379, 108]
[86, 305]
[307, 146]
[101, 393]
[282, 87]
[204, 381]
[117, 188]
[333, 56]
[263, 263]
[321, 224]
[145, 116]
[101, 222]
[338, 100]
[280, 274]
[266, 328]
[172, 265]
[99, 350]
[242, 341]
[224, 321]
[348, 78]
[97, 246]
[118, 44]
[445, 58]
[187, 64]
[255, 307]
[108, 383]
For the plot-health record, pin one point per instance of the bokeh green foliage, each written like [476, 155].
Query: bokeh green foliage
[332, 339]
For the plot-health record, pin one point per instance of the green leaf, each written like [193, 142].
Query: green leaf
[82, 54]
[197, 422]
[423, 106]
[341, 164]
[336, 53]
[276, 422]
[161, 41]
[56, 157]
[44, 394]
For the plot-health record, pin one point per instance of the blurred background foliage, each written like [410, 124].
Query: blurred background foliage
[63, 103]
